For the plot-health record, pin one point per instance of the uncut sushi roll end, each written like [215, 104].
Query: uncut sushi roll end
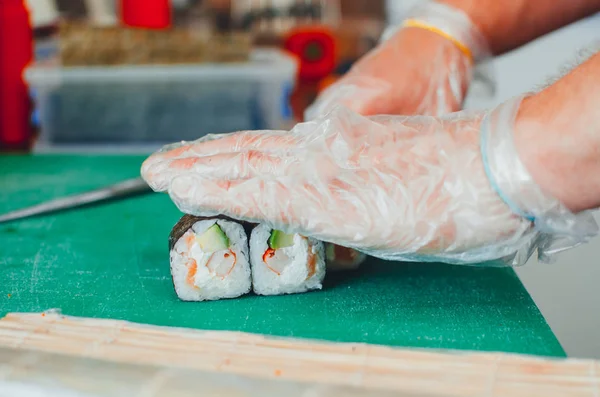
[285, 263]
[342, 258]
[209, 259]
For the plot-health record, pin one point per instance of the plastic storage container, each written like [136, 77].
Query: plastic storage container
[161, 104]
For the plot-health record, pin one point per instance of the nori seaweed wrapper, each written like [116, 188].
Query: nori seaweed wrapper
[187, 221]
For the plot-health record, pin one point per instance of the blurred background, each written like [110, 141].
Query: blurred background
[131, 75]
[134, 74]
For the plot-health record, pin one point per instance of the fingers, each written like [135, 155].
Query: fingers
[317, 208]
[234, 142]
[157, 164]
[225, 166]
[220, 143]
[251, 200]
[230, 165]
[358, 93]
[243, 148]
[245, 140]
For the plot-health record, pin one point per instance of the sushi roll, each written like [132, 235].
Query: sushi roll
[209, 259]
[285, 263]
[341, 258]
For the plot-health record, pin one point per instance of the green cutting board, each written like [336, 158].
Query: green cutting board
[111, 261]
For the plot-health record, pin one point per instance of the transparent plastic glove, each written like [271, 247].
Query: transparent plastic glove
[395, 187]
[414, 70]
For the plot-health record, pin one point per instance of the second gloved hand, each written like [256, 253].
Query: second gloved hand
[422, 67]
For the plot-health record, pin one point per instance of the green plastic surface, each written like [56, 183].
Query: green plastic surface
[111, 261]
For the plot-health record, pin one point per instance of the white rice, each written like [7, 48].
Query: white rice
[207, 285]
[294, 277]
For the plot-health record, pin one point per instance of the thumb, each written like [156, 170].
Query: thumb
[357, 93]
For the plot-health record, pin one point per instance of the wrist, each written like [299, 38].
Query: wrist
[421, 41]
[490, 18]
[516, 164]
[449, 22]
[507, 25]
[559, 144]
[437, 62]
[456, 35]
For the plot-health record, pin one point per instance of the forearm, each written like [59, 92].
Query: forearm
[557, 134]
[509, 24]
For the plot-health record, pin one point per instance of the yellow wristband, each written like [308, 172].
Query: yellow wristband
[415, 23]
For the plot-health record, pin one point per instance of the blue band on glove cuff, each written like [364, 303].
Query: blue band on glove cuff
[483, 144]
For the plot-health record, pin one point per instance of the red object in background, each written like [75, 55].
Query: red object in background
[316, 49]
[150, 14]
[16, 52]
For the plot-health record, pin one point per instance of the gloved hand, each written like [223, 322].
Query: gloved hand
[423, 67]
[406, 188]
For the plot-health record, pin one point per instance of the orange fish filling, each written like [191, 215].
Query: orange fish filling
[192, 269]
[222, 269]
[221, 263]
[276, 261]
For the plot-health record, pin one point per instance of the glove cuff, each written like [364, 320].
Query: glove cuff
[449, 22]
[559, 228]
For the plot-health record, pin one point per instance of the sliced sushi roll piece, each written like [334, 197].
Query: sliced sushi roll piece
[285, 263]
[341, 258]
[209, 259]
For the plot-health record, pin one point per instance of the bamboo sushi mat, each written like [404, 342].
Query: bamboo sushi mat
[376, 368]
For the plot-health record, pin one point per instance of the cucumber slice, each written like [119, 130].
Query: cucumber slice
[213, 240]
[279, 239]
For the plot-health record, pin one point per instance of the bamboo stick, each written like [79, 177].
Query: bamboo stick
[374, 367]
